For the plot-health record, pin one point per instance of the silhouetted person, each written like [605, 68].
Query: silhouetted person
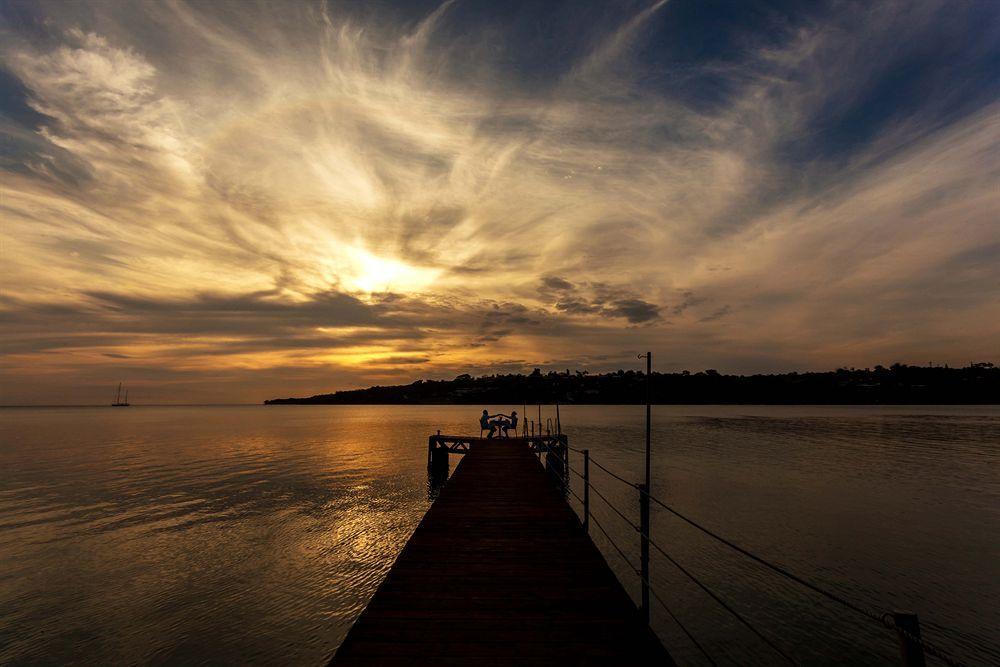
[509, 423]
[486, 424]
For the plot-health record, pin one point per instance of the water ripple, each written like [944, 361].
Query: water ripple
[234, 535]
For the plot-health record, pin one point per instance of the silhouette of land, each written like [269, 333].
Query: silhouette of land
[978, 383]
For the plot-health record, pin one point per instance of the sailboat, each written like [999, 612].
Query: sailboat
[120, 402]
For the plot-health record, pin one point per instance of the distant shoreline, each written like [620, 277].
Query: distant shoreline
[133, 405]
[308, 403]
[976, 384]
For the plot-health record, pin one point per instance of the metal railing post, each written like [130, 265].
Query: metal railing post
[644, 549]
[564, 459]
[911, 653]
[586, 491]
[565, 447]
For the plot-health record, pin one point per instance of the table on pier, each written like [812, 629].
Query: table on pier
[500, 571]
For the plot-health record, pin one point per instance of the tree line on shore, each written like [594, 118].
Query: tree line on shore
[978, 383]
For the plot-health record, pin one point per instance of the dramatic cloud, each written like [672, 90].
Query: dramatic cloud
[223, 201]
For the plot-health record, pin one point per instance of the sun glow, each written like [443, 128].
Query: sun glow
[371, 273]
[308, 196]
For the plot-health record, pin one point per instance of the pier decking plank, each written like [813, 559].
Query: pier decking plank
[500, 571]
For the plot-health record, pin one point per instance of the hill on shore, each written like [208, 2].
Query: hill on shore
[978, 383]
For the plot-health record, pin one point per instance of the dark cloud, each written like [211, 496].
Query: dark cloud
[636, 311]
[688, 299]
[717, 314]
[394, 361]
[600, 298]
[256, 321]
[578, 307]
[556, 283]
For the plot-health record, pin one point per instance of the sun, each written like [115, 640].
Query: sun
[371, 273]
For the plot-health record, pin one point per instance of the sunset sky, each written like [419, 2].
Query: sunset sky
[226, 202]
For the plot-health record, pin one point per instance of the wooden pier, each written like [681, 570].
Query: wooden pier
[500, 571]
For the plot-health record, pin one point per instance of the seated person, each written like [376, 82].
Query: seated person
[509, 423]
[486, 423]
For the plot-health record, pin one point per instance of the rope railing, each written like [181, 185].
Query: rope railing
[666, 608]
[614, 544]
[885, 619]
[565, 485]
[613, 474]
[621, 552]
[705, 588]
[739, 617]
[615, 509]
[776, 568]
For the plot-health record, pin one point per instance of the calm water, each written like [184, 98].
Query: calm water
[233, 534]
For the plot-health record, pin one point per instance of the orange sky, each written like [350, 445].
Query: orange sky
[228, 206]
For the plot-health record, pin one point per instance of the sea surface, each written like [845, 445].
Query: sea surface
[227, 535]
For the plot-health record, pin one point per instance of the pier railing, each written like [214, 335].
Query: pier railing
[912, 645]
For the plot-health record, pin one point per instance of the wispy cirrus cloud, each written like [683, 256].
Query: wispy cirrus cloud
[208, 189]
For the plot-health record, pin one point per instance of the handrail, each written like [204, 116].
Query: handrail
[721, 602]
[615, 545]
[885, 619]
[617, 511]
[637, 571]
[652, 590]
[613, 474]
[879, 618]
[601, 496]
[656, 596]
[565, 485]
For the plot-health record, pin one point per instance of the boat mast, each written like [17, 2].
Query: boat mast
[118, 394]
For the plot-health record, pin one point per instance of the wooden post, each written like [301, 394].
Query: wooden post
[911, 653]
[439, 460]
[586, 491]
[430, 448]
[644, 549]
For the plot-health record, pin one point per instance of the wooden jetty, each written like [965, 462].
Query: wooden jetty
[499, 571]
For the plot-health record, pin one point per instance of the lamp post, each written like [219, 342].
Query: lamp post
[644, 491]
[649, 376]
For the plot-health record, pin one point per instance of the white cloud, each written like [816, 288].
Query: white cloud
[300, 151]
